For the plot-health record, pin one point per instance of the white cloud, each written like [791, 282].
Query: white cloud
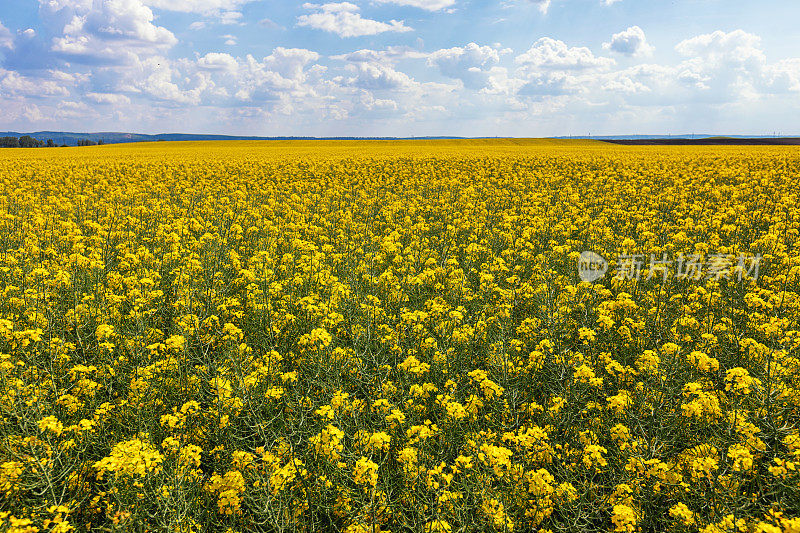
[543, 5]
[287, 73]
[552, 54]
[366, 101]
[199, 25]
[610, 2]
[379, 77]
[472, 64]
[641, 79]
[430, 5]
[721, 68]
[34, 114]
[720, 47]
[345, 20]
[218, 61]
[551, 69]
[13, 83]
[113, 31]
[160, 79]
[498, 82]
[230, 40]
[58, 5]
[290, 62]
[732, 66]
[631, 42]
[6, 39]
[108, 98]
[391, 54]
[203, 7]
[784, 75]
[74, 110]
[554, 84]
[68, 77]
[230, 17]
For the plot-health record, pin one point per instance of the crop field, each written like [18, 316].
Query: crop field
[367, 337]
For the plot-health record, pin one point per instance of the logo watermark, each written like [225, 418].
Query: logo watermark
[592, 266]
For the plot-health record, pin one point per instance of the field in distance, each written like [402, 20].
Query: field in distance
[368, 336]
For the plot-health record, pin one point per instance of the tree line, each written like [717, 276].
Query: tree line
[26, 141]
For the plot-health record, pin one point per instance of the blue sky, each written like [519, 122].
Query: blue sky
[401, 67]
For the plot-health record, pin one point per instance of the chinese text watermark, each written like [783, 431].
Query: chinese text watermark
[592, 266]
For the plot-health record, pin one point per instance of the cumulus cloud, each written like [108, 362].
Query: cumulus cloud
[344, 19]
[218, 61]
[784, 75]
[720, 68]
[631, 42]
[732, 66]
[379, 77]
[290, 62]
[472, 64]
[552, 54]
[551, 68]
[390, 54]
[640, 79]
[285, 73]
[113, 31]
[160, 79]
[720, 47]
[13, 83]
[430, 5]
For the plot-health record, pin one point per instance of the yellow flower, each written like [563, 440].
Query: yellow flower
[593, 456]
[378, 441]
[624, 519]
[414, 366]
[365, 472]
[131, 458]
[742, 458]
[175, 342]
[229, 489]
[738, 380]
[681, 512]
[51, 424]
[104, 332]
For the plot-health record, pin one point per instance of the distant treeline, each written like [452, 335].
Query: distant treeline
[26, 141]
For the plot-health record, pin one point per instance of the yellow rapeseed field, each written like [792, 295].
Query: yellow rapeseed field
[395, 336]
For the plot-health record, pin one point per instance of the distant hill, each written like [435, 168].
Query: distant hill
[690, 136]
[709, 141]
[113, 137]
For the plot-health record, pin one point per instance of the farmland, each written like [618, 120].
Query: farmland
[393, 336]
